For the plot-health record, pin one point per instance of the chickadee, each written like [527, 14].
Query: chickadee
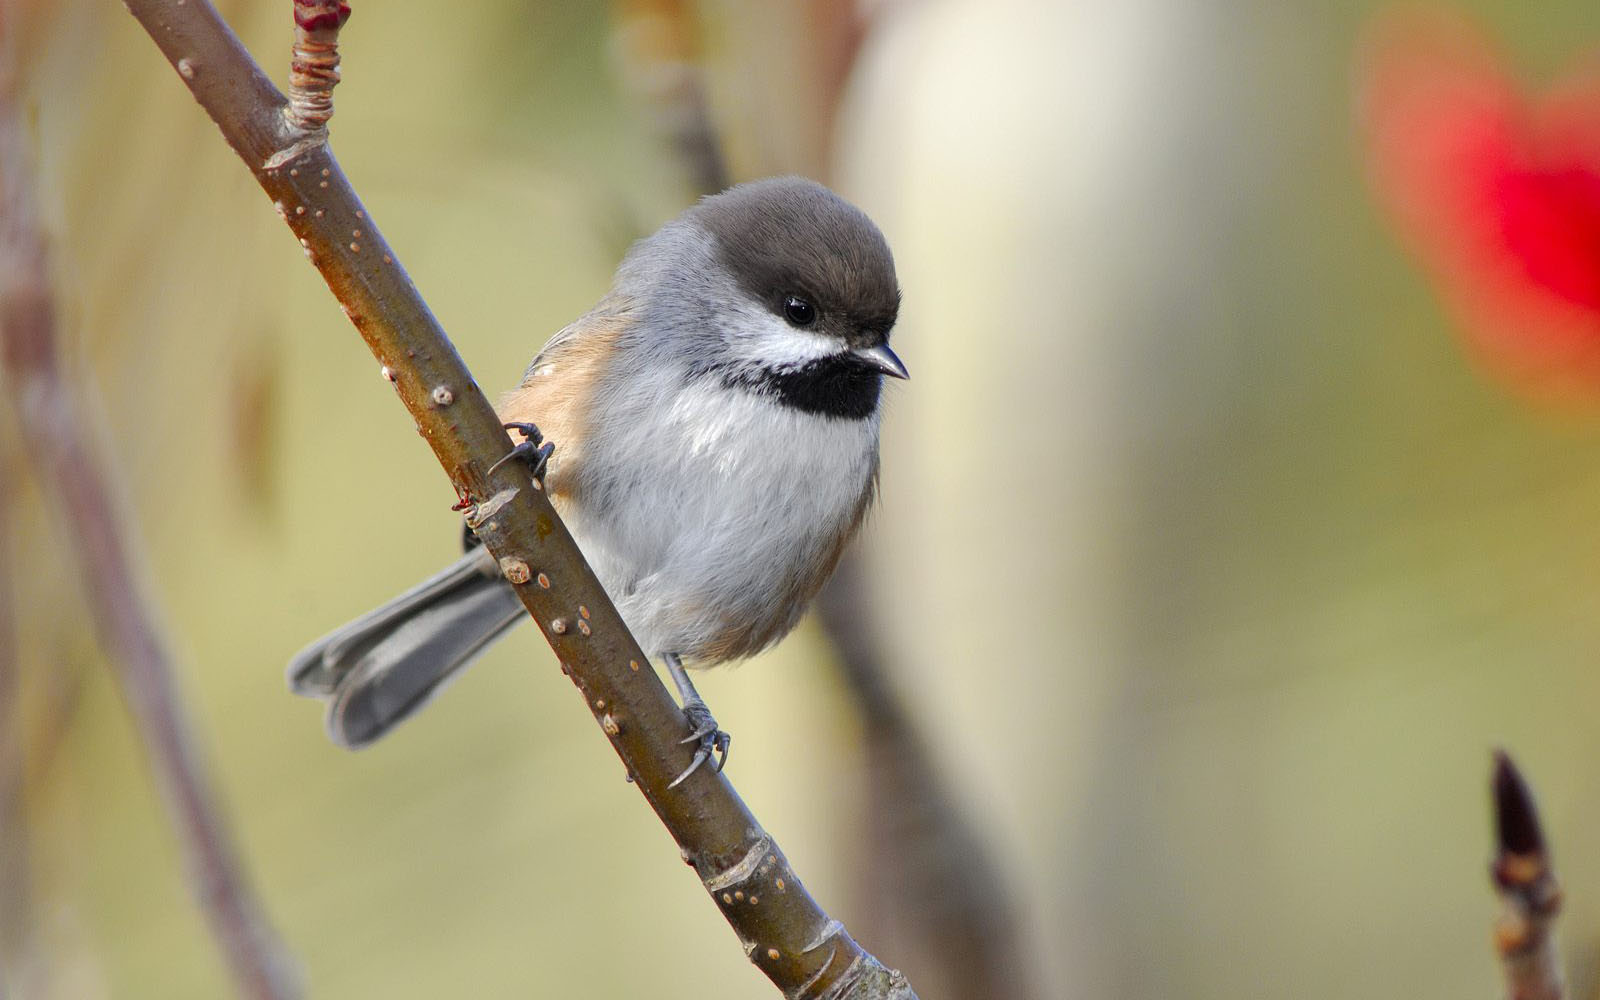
[717, 421]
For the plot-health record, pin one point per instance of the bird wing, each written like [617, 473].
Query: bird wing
[557, 388]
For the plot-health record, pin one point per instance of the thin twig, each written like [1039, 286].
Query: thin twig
[928, 880]
[1524, 936]
[314, 66]
[660, 62]
[73, 478]
[785, 933]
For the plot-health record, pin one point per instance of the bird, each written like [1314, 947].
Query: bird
[709, 433]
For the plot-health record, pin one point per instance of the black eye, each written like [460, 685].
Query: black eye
[798, 311]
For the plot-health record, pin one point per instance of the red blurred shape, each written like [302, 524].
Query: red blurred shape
[1497, 191]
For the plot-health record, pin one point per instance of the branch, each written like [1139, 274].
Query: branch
[74, 480]
[659, 61]
[1524, 935]
[314, 68]
[928, 879]
[784, 931]
[16, 890]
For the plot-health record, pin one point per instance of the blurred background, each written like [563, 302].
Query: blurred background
[1245, 495]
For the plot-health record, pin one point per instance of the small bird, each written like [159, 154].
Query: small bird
[709, 434]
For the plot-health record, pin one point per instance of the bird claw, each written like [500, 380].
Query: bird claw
[711, 739]
[533, 449]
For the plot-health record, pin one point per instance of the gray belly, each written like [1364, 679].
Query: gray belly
[713, 530]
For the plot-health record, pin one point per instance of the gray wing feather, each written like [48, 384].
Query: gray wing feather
[383, 666]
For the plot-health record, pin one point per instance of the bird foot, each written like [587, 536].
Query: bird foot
[533, 449]
[710, 739]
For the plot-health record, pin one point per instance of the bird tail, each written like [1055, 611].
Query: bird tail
[375, 671]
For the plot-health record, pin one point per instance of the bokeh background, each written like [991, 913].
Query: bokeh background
[1215, 551]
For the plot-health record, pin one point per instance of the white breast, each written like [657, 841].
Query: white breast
[719, 502]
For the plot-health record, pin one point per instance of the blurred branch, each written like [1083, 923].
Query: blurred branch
[15, 855]
[1524, 936]
[74, 480]
[785, 933]
[840, 28]
[660, 63]
[929, 880]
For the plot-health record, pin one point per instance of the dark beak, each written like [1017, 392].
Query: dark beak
[883, 360]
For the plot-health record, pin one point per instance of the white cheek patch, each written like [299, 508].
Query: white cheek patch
[765, 340]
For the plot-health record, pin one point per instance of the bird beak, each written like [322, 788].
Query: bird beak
[883, 360]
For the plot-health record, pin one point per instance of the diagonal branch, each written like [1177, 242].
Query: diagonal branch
[784, 931]
[1525, 934]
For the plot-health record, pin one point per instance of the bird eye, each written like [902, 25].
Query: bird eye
[798, 311]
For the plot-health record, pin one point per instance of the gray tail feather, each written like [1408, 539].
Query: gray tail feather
[377, 670]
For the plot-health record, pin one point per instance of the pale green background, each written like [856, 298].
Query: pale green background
[1211, 560]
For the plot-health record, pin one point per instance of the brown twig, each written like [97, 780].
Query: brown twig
[314, 66]
[928, 880]
[784, 932]
[1524, 936]
[73, 478]
[660, 63]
